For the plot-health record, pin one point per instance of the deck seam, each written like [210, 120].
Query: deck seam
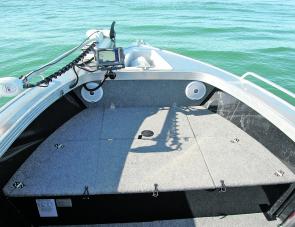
[102, 121]
[195, 138]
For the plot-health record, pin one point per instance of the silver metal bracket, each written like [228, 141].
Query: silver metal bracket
[86, 193]
[222, 187]
[156, 191]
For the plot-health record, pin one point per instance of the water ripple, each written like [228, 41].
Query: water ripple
[238, 36]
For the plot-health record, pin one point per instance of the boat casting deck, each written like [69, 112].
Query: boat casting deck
[192, 148]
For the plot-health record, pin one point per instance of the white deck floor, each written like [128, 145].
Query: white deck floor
[192, 148]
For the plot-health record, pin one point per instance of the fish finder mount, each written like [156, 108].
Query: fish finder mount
[109, 60]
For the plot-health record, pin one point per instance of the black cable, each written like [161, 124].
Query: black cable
[59, 59]
[91, 90]
[72, 65]
[86, 62]
[88, 70]
[109, 74]
[77, 78]
[45, 82]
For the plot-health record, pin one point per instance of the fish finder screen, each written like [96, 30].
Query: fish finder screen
[110, 58]
[107, 56]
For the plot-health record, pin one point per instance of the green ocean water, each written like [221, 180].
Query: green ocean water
[238, 36]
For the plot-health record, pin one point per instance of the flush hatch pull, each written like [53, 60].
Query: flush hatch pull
[18, 185]
[235, 140]
[59, 146]
[279, 173]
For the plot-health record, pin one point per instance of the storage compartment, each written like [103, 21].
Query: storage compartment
[190, 148]
[146, 58]
[143, 207]
[132, 158]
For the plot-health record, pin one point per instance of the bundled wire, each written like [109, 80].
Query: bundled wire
[75, 63]
[44, 67]
[109, 74]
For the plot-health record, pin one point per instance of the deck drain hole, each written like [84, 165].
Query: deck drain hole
[147, 133]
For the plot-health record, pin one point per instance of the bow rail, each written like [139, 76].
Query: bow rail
[284, 90]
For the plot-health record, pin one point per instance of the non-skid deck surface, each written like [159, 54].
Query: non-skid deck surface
[192, 148]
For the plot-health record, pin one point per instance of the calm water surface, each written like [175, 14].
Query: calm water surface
[238, 36]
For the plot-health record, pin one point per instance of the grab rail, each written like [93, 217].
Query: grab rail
[284, 90]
